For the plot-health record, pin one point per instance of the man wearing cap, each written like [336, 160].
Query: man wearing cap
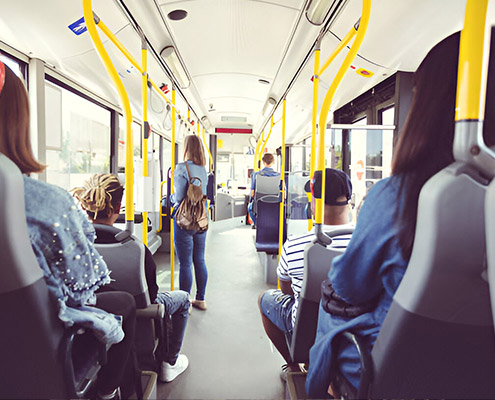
[279, 307]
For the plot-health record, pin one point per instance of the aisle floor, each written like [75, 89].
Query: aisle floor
[229, 353]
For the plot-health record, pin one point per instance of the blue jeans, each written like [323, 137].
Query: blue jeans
[190, 248]
[177, 306]
[277, 307]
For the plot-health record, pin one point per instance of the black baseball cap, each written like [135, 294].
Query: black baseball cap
[337, 184]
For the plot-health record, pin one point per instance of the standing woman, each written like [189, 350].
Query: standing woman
[190, 244]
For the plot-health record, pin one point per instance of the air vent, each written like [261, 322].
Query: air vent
[229, 118]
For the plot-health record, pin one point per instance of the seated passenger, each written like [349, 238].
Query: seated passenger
[279, 307]
[101, 197]
[62, 241]
[371, 269]
[268, 162]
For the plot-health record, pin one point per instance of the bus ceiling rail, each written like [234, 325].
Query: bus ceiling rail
[135, 64]
[363, 26]
[107, 62]
[469, 145]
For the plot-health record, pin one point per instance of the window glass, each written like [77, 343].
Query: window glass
[14, 65]
[296, 158]
[370, 158]
[136, 141]
[77, 137]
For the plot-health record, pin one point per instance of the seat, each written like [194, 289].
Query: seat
[124, 255]
[317, 262]
[267, 235]
[265, 186]
[437, 340]
[39, 357]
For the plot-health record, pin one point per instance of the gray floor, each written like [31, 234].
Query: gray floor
[230, 356]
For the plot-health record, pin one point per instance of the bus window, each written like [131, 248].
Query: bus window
[77, 137]
[136, 141]
[13, 65]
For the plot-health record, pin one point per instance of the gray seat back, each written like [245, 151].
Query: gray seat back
[317, 262]
[34, 362]
[437, 340]
[490, 239]
[265, 186]
[125, 258]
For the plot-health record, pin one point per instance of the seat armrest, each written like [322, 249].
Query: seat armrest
[361, 346]
[153, 311]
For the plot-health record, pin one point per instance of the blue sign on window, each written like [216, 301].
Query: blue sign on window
[79, 26]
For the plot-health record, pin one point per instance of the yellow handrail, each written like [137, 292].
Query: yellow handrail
[208, 150]
[135, 64]
[312, 161]
[172, 248]
[363, 26]
[258, 144]
[282, 185]
[470, 100]
[162, 214]
[144, 128]
[107, 62]
[339, 48]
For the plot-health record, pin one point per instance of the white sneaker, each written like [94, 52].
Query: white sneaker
[169, 372]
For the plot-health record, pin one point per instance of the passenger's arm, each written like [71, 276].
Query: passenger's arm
[357, 275]
[286, 287]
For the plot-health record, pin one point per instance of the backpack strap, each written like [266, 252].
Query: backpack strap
[188, 172]
[192, 179]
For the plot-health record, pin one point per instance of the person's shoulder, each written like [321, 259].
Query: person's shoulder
[45, 191]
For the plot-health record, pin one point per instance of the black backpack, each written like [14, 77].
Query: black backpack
[191, 213]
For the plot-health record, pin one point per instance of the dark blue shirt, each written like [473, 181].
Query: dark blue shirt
[371, 267]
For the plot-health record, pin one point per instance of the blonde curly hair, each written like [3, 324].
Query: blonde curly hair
[101, 193]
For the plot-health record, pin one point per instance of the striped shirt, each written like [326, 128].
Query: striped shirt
[291, 265]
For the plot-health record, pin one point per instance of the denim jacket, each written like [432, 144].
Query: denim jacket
[181, 180]
[62, 239]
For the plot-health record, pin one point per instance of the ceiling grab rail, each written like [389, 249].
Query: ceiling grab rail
[172, 169]
[363, 26]
[343, 43]
[135, 64]
[91, 22]
[469, 145]
[145, 128]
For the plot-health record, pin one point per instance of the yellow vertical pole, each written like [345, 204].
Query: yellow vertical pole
[470, 97]
[282, 186]
[145, 129]
[197, 126]
[313, 123]
[172, 247]
[107, 62]
[325, 108]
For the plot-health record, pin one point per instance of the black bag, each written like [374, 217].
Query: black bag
[191, 213]
[333, 304]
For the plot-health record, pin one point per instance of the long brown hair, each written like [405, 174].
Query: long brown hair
[15, 141]
[193, 150]
[425, 143]
[100, 195]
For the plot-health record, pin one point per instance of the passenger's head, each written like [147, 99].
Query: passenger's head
[193, 150]
[15, 141]
[425, 143]
[338, 192]
[101, 197]
[268, 159]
